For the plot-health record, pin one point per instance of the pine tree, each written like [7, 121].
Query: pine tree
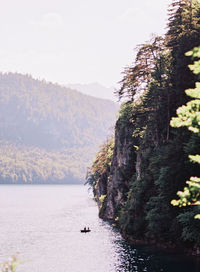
[183, 34]
[137, 77]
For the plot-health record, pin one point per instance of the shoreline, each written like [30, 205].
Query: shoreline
[168, 247]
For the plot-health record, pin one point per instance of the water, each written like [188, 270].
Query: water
[43, 222]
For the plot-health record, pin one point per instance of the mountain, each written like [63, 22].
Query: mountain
[48, 133]
[95, 89]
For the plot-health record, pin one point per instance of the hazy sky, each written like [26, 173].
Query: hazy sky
[76, 41]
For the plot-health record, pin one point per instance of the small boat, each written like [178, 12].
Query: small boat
[85, 230]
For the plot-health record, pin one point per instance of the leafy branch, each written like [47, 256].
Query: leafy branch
[189, 116]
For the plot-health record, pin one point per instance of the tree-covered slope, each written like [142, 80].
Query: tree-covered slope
[141, 174]
[48, 133]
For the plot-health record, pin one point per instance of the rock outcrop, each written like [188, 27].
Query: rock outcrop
[114, 184]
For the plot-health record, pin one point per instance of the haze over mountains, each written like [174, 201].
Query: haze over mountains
[48, 133]
[95, 89]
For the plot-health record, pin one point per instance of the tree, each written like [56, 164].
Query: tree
[182, 35]
[189, 116]
[137, 77]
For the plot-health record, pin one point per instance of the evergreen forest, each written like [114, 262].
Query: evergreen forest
[154, 152]
[48, 133]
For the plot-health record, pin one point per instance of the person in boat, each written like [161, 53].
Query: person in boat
[85, 230]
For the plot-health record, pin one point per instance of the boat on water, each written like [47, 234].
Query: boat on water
[85, 230]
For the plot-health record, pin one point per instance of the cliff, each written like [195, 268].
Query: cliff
[135, 182]
[115, 181]
[135, 190]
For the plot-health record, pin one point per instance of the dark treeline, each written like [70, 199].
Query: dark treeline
[48, 133]
[136, 175]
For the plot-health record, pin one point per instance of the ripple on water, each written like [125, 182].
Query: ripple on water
[43, 223]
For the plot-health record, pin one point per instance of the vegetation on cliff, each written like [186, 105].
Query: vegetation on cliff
[150, 159]
[48, 133]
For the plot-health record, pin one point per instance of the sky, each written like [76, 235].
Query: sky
[76, 41]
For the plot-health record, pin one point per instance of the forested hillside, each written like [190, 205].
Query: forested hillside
[48, 133]
[138, 172]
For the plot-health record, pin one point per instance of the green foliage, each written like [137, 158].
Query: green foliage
[190, 195]
[125, 112]
[189, 116]
[195, 67]
[137, 77]
[10, 265]
[102, 198]
[20, 163]
[102, 207]
[190, 231]
[101, 163]
[141, 185]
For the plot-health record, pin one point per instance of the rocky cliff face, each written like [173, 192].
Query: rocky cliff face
[113, 185]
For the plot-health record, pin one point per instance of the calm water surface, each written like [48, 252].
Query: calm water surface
[43, 224]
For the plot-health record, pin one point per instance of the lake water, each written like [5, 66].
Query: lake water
[43, 222]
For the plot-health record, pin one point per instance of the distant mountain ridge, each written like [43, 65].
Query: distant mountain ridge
[48, 133]
[95, 89]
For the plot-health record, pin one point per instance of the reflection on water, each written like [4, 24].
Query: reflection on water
[43, 224]
[134, 258]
